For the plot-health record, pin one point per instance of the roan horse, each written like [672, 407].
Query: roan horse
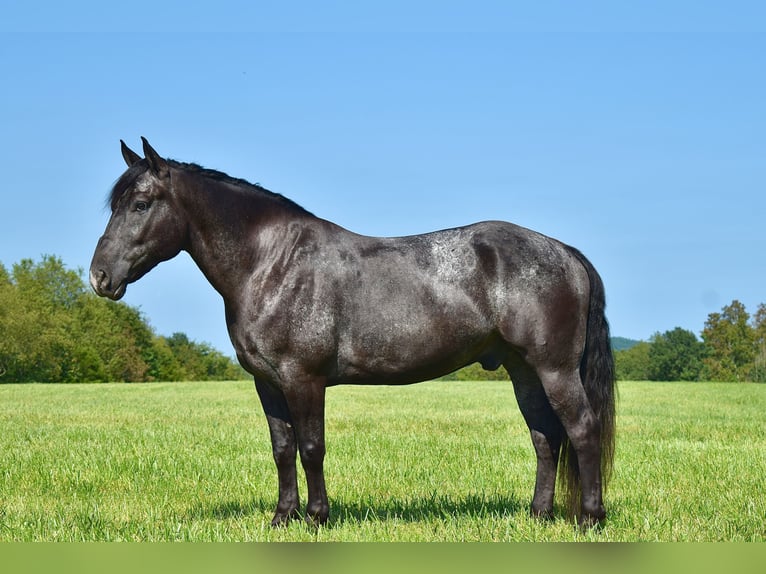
[311, 305]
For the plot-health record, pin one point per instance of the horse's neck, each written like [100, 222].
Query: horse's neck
[224, 231]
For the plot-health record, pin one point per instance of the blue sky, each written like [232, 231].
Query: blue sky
[633, 131]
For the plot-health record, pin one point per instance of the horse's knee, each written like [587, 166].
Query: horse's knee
[312, 452]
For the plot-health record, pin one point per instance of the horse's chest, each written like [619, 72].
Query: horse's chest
[253, 358]
[268, 344]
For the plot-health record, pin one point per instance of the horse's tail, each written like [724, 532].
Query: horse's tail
[598, 379]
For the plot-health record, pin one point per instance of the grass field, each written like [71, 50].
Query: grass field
[437, 461]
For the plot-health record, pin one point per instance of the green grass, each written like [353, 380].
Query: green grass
[437, 461]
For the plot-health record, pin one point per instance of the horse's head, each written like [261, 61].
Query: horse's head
[144, 229]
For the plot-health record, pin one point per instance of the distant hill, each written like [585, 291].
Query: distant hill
[621, 343]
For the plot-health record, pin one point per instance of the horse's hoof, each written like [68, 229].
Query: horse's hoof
[588, 521]
[316, 520]
[544, 514]
[282, 518]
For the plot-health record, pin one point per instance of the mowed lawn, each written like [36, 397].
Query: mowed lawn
[437, 461]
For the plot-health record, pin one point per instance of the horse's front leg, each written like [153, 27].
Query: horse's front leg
[283, 446]
[305, 399]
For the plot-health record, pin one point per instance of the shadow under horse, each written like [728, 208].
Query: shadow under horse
[310, 305]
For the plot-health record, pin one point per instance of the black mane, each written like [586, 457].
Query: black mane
[128, 179]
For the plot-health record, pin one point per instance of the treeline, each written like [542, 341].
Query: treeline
[54, 330]
[732, 349]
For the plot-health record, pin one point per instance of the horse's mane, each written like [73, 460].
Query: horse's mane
[128, 179]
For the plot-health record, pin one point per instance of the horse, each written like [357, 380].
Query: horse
[309, 305]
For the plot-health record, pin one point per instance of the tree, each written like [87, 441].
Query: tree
[475, 372]
[729, 344]
[48, 282]
[200, 361]
[633, 364]
[675, 356]
[36, 327]
[165, 366]
[53, 329]
[759, 332]
[8, 308]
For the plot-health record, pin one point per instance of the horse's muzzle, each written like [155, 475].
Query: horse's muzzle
[102, 285]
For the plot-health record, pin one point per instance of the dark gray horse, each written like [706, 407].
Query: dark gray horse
[310, 305]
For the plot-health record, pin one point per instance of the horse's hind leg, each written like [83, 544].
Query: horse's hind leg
[545, 430]
[567, 396]
[283, 445]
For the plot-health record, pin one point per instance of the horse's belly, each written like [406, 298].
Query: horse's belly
[391, 346]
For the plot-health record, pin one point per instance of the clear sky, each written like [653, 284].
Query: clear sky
[635, 131]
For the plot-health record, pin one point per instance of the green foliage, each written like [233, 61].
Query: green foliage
[36, 321]
[199, 361]
[675, 356]
[759, 336]
[633, 364]
[733, 348]
[52, 329]
[475, 372]
[730, 344]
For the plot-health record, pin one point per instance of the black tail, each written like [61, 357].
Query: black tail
[598, 378]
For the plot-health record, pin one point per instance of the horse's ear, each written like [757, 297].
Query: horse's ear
[129, 155]
[158, 165]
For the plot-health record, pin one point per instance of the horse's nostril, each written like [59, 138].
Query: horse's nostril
[98, 279]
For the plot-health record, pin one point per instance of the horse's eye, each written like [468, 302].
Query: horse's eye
[142, 206]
